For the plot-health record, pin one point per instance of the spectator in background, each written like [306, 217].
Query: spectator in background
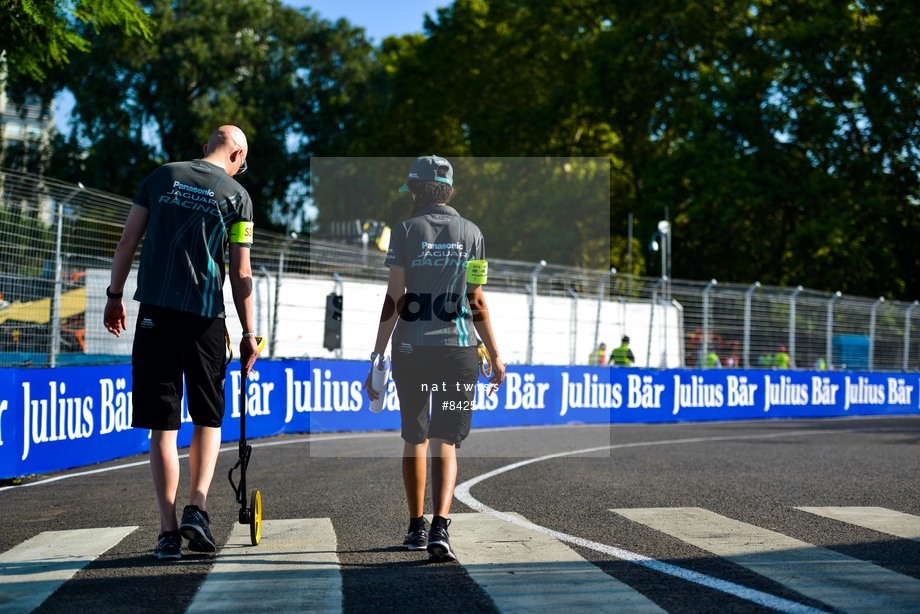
[781, 358]
[710, 360]
[598, 356]
[622, 356]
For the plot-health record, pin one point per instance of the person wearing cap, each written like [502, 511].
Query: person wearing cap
[622, 356]
[436, 314]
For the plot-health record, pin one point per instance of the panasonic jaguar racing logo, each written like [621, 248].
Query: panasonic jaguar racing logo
[441, 254]
[191, 197]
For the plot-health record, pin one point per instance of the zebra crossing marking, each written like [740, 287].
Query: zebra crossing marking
[878, 519]
[524, 570]
[34, 569]
[522, 567]
[294, 568]
[462, 493]
[830, 577]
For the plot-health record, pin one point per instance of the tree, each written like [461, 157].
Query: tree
[276, 72]
[36, 35]
[484, 85]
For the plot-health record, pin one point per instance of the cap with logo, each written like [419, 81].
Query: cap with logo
[430, 168]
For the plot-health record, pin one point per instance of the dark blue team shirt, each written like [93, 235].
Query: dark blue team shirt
[192, 206]
[433, 247]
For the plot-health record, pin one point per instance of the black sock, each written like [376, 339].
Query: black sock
[439, 520]
[417, 522]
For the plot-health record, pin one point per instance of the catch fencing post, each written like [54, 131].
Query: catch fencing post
[907, 332]
[533, 301]
[829, 348]
[705, 349]
[747, 323]
[600, 299]
[872, 317]
[284, 246]
[795, 293]
[573, 326]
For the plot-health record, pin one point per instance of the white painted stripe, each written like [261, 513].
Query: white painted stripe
[462, 494]
[321, 438]
[878, 519]
[835, 579]
[294, 568]
[34, 569]
[525, 571]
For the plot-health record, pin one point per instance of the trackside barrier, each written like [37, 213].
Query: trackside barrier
[54, 419]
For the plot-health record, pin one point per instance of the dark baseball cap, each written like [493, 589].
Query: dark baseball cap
[430, 168]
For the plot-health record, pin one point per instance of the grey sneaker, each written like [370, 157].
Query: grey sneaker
[417, 537]
[195, 527]
[169, 545]
[439, 549]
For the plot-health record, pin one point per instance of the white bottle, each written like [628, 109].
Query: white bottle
[380, 373]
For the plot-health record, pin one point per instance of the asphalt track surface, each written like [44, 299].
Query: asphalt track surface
[558, 483]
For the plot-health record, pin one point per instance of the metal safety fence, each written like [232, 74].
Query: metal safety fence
[57, 240]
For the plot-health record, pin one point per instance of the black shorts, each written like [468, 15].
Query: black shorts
[436, 388]
[167, 345]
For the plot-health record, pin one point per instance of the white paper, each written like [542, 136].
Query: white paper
[380, 374]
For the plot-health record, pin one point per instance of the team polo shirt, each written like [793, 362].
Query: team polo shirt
[433, 248]
[192, 207]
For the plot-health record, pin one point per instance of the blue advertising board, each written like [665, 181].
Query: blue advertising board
[53, 419]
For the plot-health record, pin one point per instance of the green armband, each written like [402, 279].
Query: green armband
[477, 272]
[241, 232]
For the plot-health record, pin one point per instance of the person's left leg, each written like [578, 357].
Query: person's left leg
[156, 394]
[205, 369]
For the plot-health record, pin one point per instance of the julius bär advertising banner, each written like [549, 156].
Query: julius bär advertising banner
[53, 419]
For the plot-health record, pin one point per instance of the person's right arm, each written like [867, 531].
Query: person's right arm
[389, 314]
[115, 316]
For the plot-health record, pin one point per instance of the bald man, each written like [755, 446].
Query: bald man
[189, 213]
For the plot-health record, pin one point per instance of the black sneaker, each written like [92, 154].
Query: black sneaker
[417, 537]
[195, 527]
[169, 545]
[439, 542]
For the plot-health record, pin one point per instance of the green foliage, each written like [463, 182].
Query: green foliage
[40, 34]
[278, 73]
[780, 137]
[557, 207]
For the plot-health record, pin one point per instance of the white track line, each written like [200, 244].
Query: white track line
[526, 571]
[319, 438]
[840, 581]
[462, 494]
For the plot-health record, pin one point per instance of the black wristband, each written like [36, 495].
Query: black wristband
[113, 295]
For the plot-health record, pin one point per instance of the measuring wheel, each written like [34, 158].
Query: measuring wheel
[255, 518]
[249, 514]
